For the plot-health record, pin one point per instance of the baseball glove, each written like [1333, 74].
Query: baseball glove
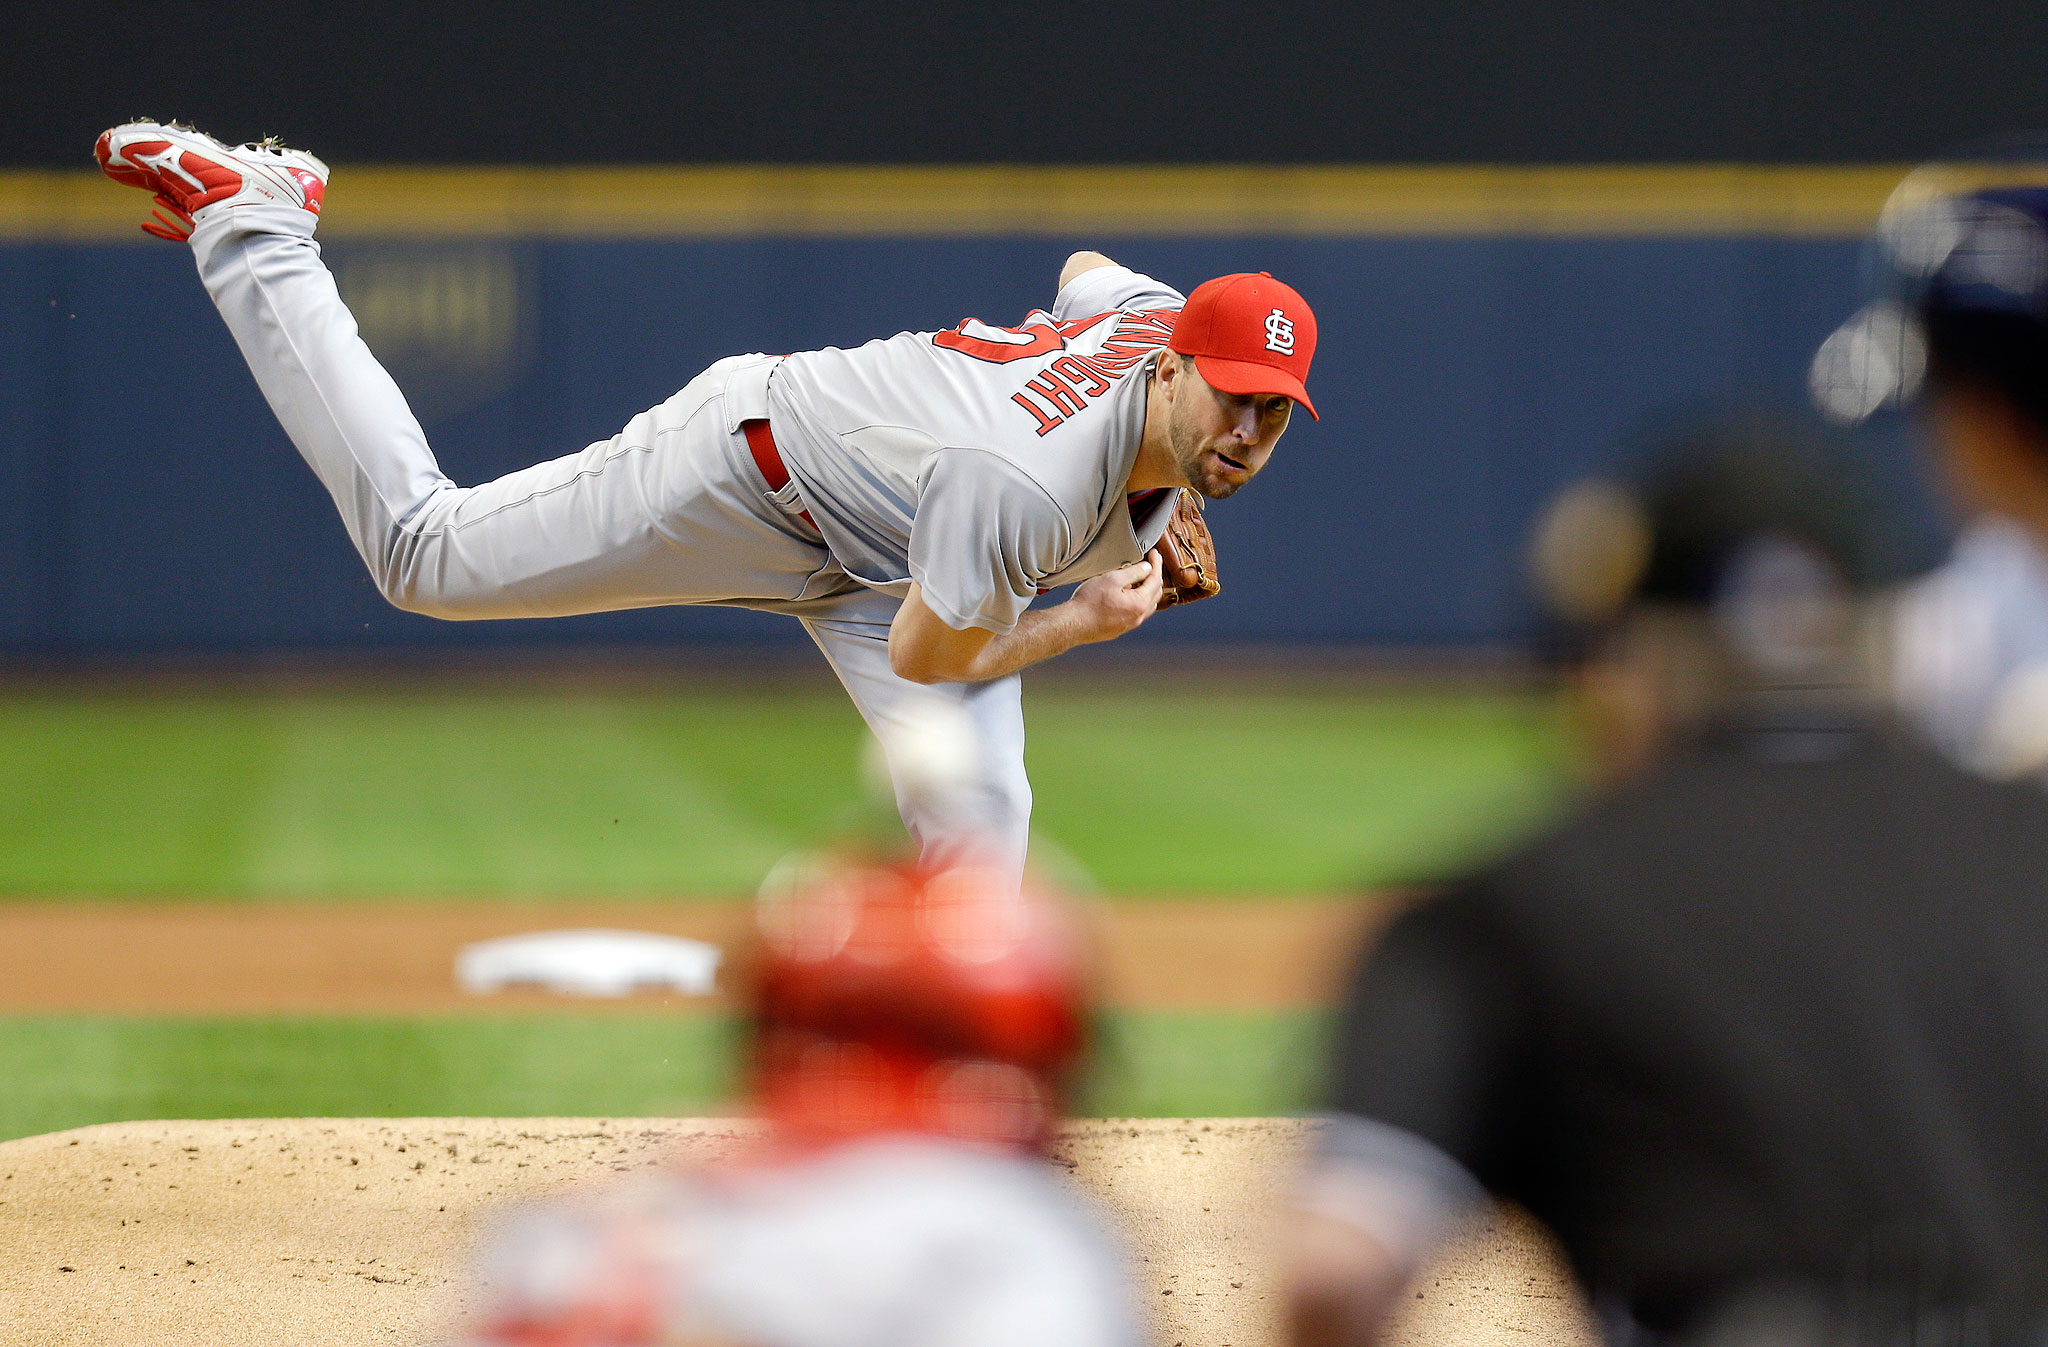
[1188, 554]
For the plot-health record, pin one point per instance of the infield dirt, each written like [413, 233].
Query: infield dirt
[396, 958]
[340, 1232]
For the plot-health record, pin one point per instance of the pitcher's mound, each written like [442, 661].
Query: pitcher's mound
[353, 1231]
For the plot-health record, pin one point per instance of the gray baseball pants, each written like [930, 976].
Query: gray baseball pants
[671, 510]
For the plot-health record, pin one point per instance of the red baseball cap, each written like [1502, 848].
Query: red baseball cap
[1249, 333]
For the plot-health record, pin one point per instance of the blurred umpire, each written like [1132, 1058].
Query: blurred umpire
[1762, 1032]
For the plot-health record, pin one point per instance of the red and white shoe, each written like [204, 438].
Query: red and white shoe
[189, 171]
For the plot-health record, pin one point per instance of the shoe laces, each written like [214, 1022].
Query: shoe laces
[171, 221]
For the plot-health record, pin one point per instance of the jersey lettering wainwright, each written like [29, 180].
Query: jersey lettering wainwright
[1066, 386]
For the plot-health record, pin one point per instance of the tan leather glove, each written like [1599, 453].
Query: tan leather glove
[1188, 554]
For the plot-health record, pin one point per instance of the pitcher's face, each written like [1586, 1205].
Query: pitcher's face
[1221, 440]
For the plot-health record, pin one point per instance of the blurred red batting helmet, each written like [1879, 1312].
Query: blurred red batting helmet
[901, 998]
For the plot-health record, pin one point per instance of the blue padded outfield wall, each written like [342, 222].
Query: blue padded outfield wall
[151, 505]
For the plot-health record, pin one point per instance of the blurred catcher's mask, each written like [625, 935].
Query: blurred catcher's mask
[1965, 235]
[901, 998]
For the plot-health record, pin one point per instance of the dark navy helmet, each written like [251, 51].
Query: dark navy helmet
[1962, 237]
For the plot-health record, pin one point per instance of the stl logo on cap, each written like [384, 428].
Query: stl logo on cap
[1280, 332]
[1248, 334]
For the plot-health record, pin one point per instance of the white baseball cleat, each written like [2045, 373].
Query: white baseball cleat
[189, 171]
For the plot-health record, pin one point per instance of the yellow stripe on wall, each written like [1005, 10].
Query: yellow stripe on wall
[683, 202]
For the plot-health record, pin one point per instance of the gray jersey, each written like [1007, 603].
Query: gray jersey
[987, 464]
[887, 1242]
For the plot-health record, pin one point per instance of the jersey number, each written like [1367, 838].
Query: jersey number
[1001, 345]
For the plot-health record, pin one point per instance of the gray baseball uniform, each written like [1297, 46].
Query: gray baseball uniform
[985, 463]
[892, 1241]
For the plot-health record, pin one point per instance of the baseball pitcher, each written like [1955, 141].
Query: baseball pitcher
[906, 500]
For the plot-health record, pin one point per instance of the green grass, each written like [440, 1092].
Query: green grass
[588, 792]
[71, 1071]
[585, 792]
[1287, 792]
[1205, 1064]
